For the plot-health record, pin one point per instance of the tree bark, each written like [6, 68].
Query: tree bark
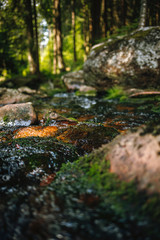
[116, 20]
[58, 61]
[87, 29]
[124, 12]
[74, 30]
[36, 35]
[143, 14]
[104, 14]
[111, 16]
[96, 14]
[32, 58]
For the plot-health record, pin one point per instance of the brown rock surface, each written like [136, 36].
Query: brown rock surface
[9, 95]
[73, 80]
[136, 156]
[22, 113]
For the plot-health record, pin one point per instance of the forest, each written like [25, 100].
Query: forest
[56, 36]
[79, 119]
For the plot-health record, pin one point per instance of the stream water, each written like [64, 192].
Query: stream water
[30, 158]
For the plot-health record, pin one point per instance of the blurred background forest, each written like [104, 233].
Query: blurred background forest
[55, 36]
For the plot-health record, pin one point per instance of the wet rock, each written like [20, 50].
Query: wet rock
[136, 156]
[27, 90]
[85, 89]
[133, 60]
[73, 80]
[49, 117]
[57, 117]
[9, 95]
[17, 114]
[26, 160]
[87, 137]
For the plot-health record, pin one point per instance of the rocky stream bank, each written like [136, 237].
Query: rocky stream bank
[55, 185]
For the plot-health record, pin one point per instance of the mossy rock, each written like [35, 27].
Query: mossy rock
[87, 136]
[132, 60]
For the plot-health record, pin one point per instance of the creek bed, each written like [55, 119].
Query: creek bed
[39, 202]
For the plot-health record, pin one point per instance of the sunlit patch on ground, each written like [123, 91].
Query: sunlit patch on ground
[38, 131]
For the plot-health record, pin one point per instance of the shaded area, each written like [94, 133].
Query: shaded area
[40, 199]
[85, 201]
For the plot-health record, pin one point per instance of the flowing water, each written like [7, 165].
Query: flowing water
[30, 158]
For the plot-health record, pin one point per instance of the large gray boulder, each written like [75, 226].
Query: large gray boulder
[133, 60]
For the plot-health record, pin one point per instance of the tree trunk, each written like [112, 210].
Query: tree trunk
[87, 26]
[54, 51]
[143, 14]
[74, 30]
[96, 14]
[124, 12]
[111, 16]
[116, 20]
[36, 35]
[104, 22]
[54, 39]
[30, 37]
[58, 56]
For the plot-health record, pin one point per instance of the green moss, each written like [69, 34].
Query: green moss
[141, 34]
[47, 89]
[91, 93]
[6, 118]
[116, 92]
[72, 119]
[120, 201]
[109, 44]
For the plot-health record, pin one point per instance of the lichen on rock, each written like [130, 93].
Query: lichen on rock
[133, 60]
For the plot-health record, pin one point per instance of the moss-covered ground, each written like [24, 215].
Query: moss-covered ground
[114, 209]
[81, 199]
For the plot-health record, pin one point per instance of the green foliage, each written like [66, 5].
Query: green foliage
[13, 28]
[5, 118]
[12, 41]
[156, 108]
[120, 32]
[116, 92]
[52, 83]
[125, 30]
[46, 59]
[68, 47]
[91, 93]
